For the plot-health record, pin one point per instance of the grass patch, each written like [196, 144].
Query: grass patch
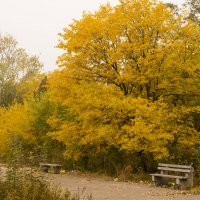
[28, 185]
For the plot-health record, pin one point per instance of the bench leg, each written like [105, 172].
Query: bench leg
[45, 168]
[187, 184]
[157, 180]
[56, 170]
[181, 184]
[164, 181]
[160, 180]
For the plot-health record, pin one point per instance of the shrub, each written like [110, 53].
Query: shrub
[23, 184]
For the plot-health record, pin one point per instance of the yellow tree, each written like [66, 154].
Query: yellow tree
[29, 86]
[15, 122]
[128, 75]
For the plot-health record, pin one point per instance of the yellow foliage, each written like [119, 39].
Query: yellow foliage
[126, 71]
[14, 121]
[28, 86]
[105, 118]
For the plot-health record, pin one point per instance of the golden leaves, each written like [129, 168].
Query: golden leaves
[15, 121]
[125, 72]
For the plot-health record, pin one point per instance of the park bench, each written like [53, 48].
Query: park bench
[46, 166]
[183, 174]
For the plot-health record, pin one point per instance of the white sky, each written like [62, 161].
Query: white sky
[35, 24]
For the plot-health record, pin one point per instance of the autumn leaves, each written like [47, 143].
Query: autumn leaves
[128, 81]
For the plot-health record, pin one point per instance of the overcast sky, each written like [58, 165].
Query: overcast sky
[35, 24]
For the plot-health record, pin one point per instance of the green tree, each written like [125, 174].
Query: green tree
[194, 9]
[15, 66]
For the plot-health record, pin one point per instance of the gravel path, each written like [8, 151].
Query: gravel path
[102, 189]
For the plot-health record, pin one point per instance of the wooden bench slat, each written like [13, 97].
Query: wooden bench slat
[45, 164]
[169, 176]
[56, 165]
[175, 166]
[174, 169]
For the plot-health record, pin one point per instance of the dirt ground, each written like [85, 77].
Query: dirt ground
[103, 188]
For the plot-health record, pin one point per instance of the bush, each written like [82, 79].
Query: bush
[23, 185]
[26, 184]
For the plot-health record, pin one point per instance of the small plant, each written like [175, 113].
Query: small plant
[80, 195]
[23, 182]
[20, 185]
[26, 184]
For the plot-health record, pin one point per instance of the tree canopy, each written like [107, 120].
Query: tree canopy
[126, 94]
[129, 76]
[16, 66]
[194, 9]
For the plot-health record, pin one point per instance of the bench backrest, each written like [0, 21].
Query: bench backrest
[175, 168]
